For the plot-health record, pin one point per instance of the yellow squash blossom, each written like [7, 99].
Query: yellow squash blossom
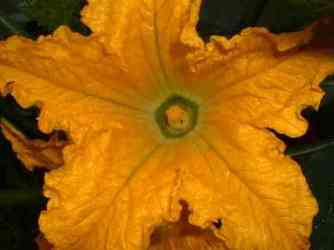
[170, 138]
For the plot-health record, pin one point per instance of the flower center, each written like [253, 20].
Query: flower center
[176, 116]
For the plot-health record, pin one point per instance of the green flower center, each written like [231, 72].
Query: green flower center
[176, 116]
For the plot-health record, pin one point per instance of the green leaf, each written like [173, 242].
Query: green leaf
[290, 15]
[22, 197]
[300, 150]
[10, 25]
[7, 24]
[51, 14]
[229, 17]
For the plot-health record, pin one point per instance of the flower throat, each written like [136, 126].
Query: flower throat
[176, 116]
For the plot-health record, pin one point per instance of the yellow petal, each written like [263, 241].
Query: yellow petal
[263, 79]
[73, 62]
[122, 179]
[245, 180]
[148, 36]
[97, 197]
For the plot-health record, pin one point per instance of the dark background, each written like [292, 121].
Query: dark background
[20, 191]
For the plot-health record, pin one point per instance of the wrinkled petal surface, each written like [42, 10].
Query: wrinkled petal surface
[122, 180]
